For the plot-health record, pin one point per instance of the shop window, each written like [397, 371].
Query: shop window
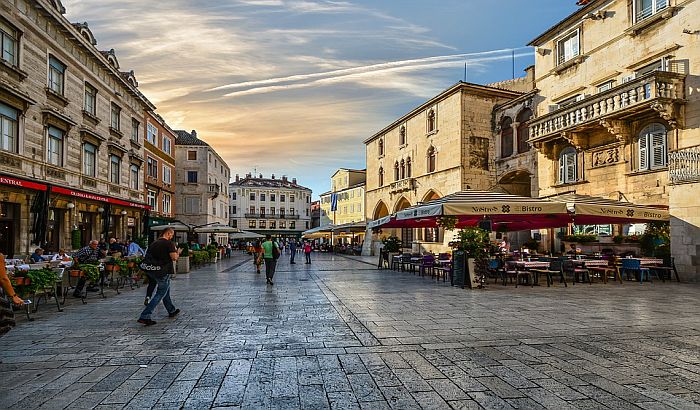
[55, 146]
[524, 130]
[506, 137]
[652, 147]
[568, 166]
[9, 128]
[89, 159]
[115, 164]
[57, 71]
[9, 38]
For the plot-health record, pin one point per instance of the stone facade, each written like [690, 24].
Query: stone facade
[616, 97]
[159, 169]
[201, 185]
[349, 185]
[443, 146]
[73, 121]
[275, 206]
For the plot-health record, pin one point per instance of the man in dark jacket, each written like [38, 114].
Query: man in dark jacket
[292, 250]
[158, 265]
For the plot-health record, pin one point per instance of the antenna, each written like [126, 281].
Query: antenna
[513, 59]
[466, 63]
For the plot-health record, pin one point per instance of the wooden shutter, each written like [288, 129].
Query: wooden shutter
[643, 152]
[562, 167]
[571, 167]
[658, 150]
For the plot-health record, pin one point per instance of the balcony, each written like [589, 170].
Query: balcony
[402, 185]
[659, 92]
[684, 165]
[254, 215]
[289, 216]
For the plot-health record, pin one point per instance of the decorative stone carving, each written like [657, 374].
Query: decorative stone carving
[576, 139]
[619, 128]
[10, 161]
[605, 157]
[667, 112]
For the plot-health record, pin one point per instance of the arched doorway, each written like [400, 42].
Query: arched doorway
[380, 210]
[516, 183]
[406, 235]
[431, 235]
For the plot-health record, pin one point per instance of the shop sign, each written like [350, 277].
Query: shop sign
[19, 183]
[100, 198]
[130, 222]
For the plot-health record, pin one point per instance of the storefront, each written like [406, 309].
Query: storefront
[16, 199]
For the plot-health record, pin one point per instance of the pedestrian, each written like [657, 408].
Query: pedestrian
[270, 253]
[158, 265]
[292, 251]
[229, 249]
[8, 297]
[307, 252]
[257, 251]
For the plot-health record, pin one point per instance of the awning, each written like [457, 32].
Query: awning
[217, 228]
[245, 235]
[318, 232]
[351, 227]
[177, 226]
[590, 210]
[377, 223]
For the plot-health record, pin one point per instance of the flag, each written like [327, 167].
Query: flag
[334, 202]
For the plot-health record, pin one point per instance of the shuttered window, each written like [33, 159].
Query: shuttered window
[652, 147]
[567, 166]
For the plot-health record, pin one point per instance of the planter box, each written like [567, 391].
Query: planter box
[183, 264]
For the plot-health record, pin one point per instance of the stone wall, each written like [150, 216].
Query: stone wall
[685, 230]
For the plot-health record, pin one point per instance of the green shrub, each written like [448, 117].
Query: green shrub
[581, 238]
[392, 244]
[473, 241]
[76, 239]
[185, 249]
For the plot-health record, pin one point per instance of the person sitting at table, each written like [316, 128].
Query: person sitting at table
[572, 250]
[133, 249]
[115, 247]
[90, 254]
[61, 256]
[36, 256]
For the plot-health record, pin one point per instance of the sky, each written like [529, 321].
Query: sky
[293, 87]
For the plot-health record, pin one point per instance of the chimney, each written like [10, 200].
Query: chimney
[194, 133]
[294, 181]
[284, 178]
[248, 175]
[273, 176]
[260, 176]
[237, 178]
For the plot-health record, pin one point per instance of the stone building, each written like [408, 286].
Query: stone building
[201, 185]
[71, 147]
[159, 169]
[275, 206]
[441, 147]
[315, 214]
[618, 112]
[349, 186]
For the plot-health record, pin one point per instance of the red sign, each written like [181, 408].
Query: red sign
[19, 183]
[100, 198]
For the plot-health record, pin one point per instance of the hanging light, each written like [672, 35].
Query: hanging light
[123, 213]
[70, 205]
[100, 209]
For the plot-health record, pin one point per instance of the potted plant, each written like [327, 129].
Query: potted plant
[656, 240]
[469, 245]
[183, 263]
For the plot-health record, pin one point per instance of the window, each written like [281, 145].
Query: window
[568, 47]
[10, 43]
[402, 135]
[9, 129]
[192, 177]
[567, 166]
[252, 196]
[403, 169]
[291, 211]
[431, 235]
[647, 8]
[293, 224]
[291, 198]
[380, 147]
[397, 175]
[191, 155]
[135, 125]
[273, 224]
[251, 224]
[152, 167]
[166, 203]
[90, 103]
[431, 121]
[652, 147]
[213, 210]
[272, 197]
[167, 174]
[89, 159]
[408, 168]
[115, 164]
[658, 65]
[234, 209]
[192, 205]
[283, 224]
[262, 197]
[135, 171]
[524, 130]
[282, 212]
[262, 211]
[116, 114]
[152, 136]
[55, 147]
[381, 176]
[234, 224]
[233, 196]
[506, 137]
[263, 224]
[282, 198]
[151, 200]
[602, 230]
[167, 146]
[431, 159]
[252, 210]
[57, 71]
[306, 223]
[606, 86]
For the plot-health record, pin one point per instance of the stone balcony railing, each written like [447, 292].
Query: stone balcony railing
[684, 165]
[402, 185]
[655, 91]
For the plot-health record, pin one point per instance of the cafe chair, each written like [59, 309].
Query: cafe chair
[554, 269]
[577, 273]
[664, 272]
[427, 265]
[634, 266]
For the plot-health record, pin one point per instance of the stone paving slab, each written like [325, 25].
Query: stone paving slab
[339, 334]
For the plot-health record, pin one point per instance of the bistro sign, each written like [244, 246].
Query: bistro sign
[100, 198]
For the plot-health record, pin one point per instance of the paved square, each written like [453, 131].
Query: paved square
[341, 334]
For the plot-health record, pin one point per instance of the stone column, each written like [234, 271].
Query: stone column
[515, 126]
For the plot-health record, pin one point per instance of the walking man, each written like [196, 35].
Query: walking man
[270, 253]
[307, 252]
[292, 251]
[158, 265]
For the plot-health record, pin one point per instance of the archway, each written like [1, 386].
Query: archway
[516, 183]
[430, 196]
[401, 204]
[431, 235]
[406, 233]
[380, 210]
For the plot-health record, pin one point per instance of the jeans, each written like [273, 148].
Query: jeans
[151, 287]
[308, 257]
[291, 258]
[163, 293]
[270, 265]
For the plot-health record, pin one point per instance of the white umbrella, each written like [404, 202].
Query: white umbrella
[177, 226]
[245, 235]
[218, 228]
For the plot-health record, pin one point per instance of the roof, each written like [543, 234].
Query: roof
[186, 138]
[267, 183]
[475, 88]
[586, 6]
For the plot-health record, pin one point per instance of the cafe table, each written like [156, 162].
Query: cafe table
[529, 264]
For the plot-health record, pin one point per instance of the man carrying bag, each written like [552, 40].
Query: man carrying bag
[271, 252]
[158, 265]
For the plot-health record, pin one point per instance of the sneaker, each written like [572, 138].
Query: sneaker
[147, 322]
[146, 301]
[174, 313]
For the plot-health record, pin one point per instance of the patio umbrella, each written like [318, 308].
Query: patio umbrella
[590, 210]
[245, 235]
[351, 227]
[177, 226]
[318, 232]
[217, 228]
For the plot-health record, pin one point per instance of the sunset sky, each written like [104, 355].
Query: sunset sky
[293, 87]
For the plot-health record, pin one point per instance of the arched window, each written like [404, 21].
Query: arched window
[523, 130]
[403, 169]
[402, 135]
[381, 147]
[567, 166]
[396, 171]
[408, 167]
[431, 159]
[506, 137]
[431, 120]
[653, 150]
[381, 176]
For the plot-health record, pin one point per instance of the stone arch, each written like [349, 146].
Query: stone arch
[430, 196]
[401, 204]
[380, 210]
[516, 182]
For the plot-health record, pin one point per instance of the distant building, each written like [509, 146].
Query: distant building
[315, 214]
[349, 187]
[276, 206]
[159, 169]
[201, 185]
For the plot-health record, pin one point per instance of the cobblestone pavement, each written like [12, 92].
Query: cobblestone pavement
[340, 334]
